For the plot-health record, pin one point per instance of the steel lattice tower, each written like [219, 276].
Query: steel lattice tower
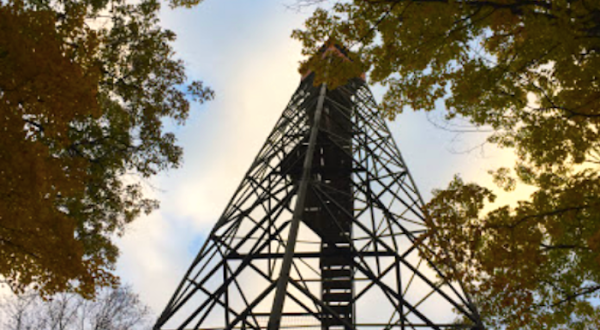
[326, 231]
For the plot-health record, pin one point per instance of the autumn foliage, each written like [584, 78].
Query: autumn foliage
[80, 126]
[43, 90]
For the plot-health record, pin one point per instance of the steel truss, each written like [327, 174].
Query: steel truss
[325, 231]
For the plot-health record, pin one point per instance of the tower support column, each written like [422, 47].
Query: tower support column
[284, 275]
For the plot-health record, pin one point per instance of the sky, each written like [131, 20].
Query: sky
[243, 50]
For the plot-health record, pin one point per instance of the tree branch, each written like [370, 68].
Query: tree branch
[539, 216]
[570, 297]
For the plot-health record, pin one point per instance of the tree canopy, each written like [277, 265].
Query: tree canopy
[528, 70]
[85, 89]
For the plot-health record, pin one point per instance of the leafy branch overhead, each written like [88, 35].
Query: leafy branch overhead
[528, 70]
[85, 87]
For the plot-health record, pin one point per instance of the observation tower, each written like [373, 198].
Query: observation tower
[325, 231]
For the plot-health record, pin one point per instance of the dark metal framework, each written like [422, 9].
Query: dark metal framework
[325, 232]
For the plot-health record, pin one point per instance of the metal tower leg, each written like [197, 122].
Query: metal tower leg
[282, 282]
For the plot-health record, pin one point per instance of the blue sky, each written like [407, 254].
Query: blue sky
[243, 50]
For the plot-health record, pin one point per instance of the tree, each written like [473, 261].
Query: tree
[528, 70]
[85, 87]
[113, 309]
